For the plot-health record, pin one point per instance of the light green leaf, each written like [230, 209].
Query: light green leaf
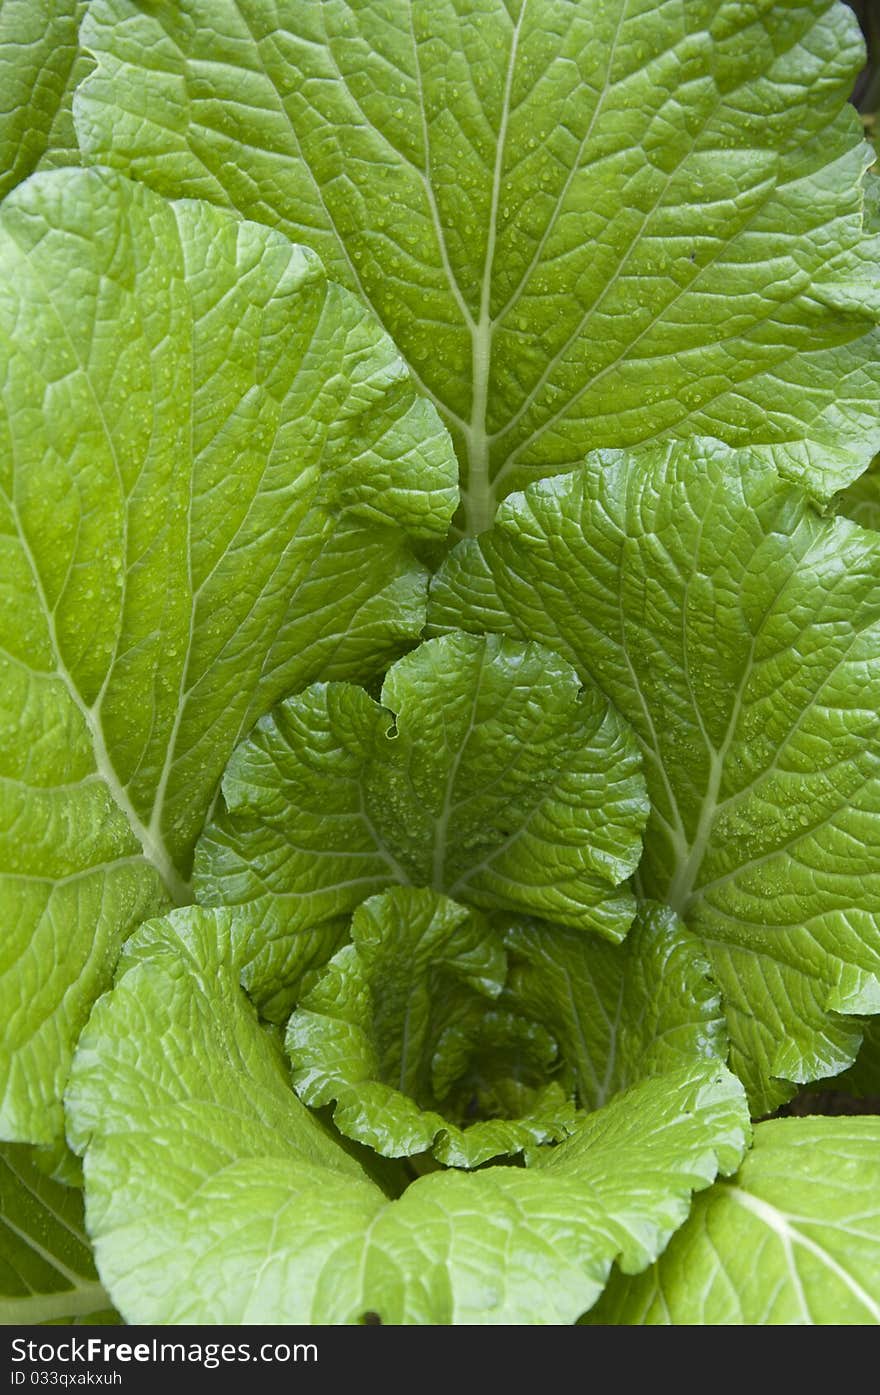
[584, 225]
[510, 1245]
[400, 1015]
[791, 1239]
[486, 773]
[214, 1196]
[39, 64]
[63, 149]
[739, 633]
[46, 1269]
[619, 1012]
[211, 457]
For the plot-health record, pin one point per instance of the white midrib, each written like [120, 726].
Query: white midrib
[790, 1237]
[479, 496]
[37, 1308]
[154, 831]
[443, 819]
[154, 849]
[72, 1277]
[83, 1297]
[682, 884]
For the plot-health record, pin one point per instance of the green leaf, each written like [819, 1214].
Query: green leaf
[510, 1245]
[63, 149]
[619, 1012]
[585, 226]
[861, 501]
[399, 1016]
[46, 1269]
[39, 65]
[211, 460]
[791, 1239]
[863, 1077]
[214, 1196]
[486, 773]
[739, 633]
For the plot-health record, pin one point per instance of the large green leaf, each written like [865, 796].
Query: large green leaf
[399, 1031]
[792, 1238]
[739, 632]
[618, 1012]
[39, 62]
[585, 225]
[214, 1196]
[47, 1273]
[209, 458]
[486, 772]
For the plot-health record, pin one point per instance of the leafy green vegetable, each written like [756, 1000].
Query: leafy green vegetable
[40, 64]
[46, 1269]
[398, 1017]
[486, 772]
[791, 1239]
[212, 457]
[739, 633]
[584, 225]
[398, 1027]
[618, 1012]
[634, 234]
[190, 1132]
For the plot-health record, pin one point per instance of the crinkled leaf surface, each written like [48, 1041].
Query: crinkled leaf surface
[210, 454]
[486, 772]
[47, 1273]
[739, 632]
[618, 1012]
[63, 148]
[214, 1196]
[585, 225]
[39, 60]
[397, 1018]
[791, 1239]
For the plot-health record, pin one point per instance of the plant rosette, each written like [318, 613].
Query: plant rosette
[439, 737]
